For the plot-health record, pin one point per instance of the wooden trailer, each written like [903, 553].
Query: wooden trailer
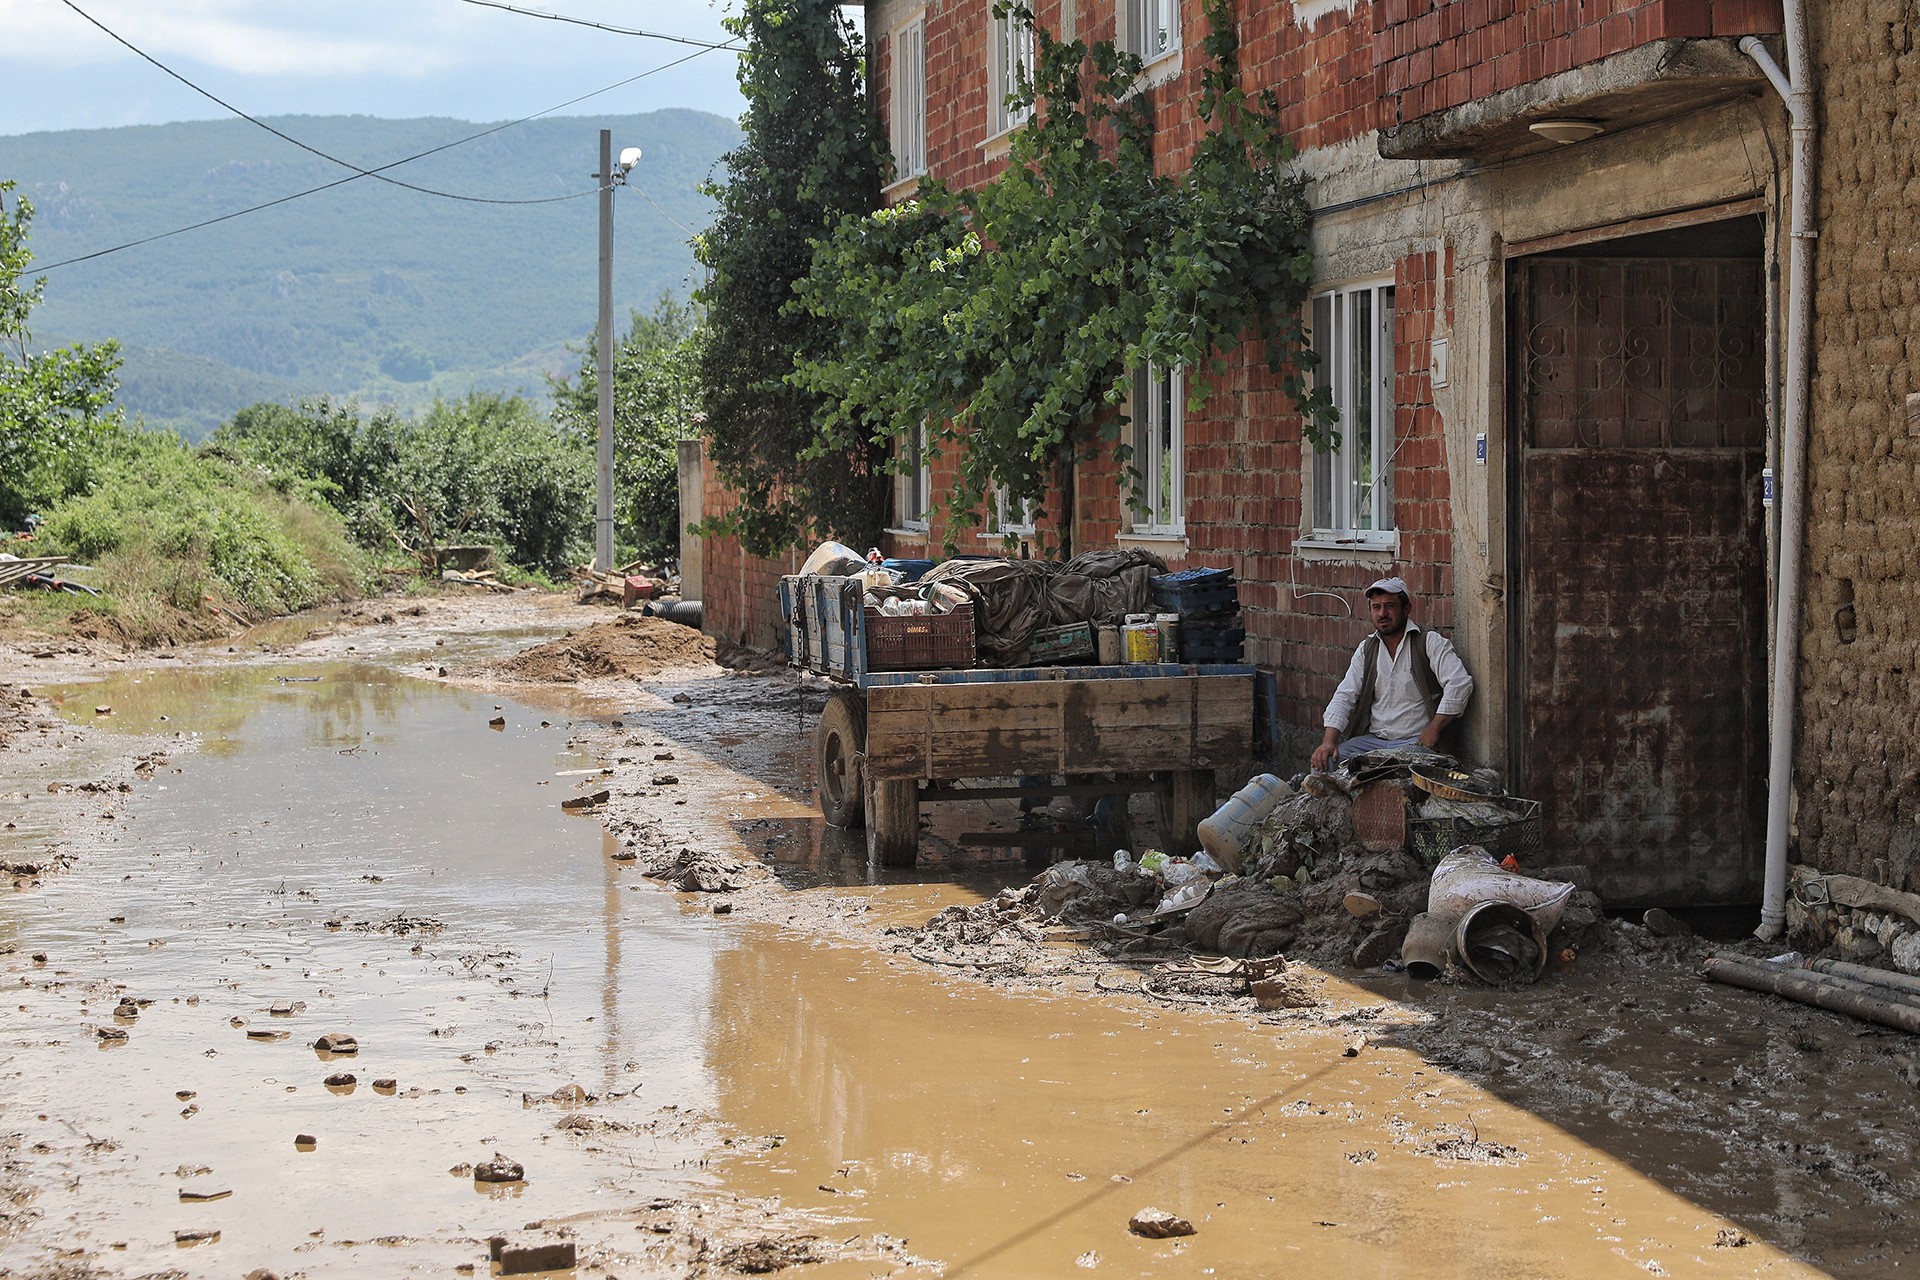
[890, 740]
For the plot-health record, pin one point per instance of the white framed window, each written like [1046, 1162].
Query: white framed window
[1159, 413]
[907, 112]
[1352, 333]
[1149, 29]
[1009, 515]
[1009, 60]
[913, 487]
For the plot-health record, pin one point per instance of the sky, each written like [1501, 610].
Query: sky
[391, 58]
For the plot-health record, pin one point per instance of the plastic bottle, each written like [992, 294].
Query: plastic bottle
[1225, 834]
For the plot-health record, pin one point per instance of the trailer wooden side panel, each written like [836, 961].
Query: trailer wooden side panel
[945, 732]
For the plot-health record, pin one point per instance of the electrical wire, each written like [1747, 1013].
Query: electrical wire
[355, 177]
[117, 38]
[602, 26]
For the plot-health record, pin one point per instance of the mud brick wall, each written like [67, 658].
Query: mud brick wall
[1858, 748]
[742, 591]
[1433, 56]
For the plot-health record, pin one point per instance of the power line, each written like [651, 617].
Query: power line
[355, 177]
[287, 137]
[602, 26]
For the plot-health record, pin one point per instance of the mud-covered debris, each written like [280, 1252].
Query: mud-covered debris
[663, 755]
[127, 1008]
[281, 1008]
[625, 853]
[683, 699]
[665, 780]
[545, 1255]
[593, 799]
[1730, 1238]
[570, 1095]
[1158, 1224]
[341, 1079]
[201, 1197]
[723, 908]
[196, 1235]
[695, 872]
[306, 1141]
[497, 722]
[1356, 1046]
[337, 1042]
[762, 1257]
[110, 1035]
[1664, 924]
[386, 1084]
[499, 1169]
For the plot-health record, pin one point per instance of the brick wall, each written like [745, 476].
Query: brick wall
[1436, 54]
[742, 601]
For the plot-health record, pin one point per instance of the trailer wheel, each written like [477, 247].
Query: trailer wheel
[893, 823]
[839, 747]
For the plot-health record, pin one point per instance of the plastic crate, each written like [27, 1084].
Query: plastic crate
[920, 643]
[1518, 834]
[1071, 643]
[1211, 644]
[1196, 592]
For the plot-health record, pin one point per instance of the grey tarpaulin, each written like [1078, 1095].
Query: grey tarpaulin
[1015, 598]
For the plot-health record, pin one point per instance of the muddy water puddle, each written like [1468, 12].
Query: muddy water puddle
[359, 850]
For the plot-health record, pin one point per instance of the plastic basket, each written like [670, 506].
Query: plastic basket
[1517, 834]
[920, 643]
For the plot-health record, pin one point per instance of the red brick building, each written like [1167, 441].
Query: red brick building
[1547, 239]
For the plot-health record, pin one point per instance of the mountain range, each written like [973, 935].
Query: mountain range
[478, 274]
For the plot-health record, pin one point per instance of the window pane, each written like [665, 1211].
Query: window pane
[1163, 449]
[1383, 487]
[1323, 375]
[1359, 438]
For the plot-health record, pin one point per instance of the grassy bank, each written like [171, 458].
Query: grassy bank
[183, 544]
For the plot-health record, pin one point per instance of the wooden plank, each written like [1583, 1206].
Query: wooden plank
[1011, 751]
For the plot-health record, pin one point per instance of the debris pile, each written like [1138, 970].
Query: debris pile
[1312, 882]
[630, 645]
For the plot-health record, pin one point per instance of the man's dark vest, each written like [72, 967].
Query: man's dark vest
[1423, 680]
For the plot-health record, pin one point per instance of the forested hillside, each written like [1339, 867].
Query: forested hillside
[365, 289]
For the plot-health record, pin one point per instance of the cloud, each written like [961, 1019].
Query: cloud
[246, 37]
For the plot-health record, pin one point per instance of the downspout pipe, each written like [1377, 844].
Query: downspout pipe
[1795, 88]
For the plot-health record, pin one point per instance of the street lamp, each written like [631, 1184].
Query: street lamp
[609, 177]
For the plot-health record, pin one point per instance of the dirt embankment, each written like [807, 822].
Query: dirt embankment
[630, 645]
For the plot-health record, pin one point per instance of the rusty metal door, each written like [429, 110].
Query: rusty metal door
[1639, 627]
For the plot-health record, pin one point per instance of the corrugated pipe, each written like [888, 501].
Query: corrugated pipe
[1795, 87]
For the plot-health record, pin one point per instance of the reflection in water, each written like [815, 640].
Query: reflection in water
[368, 852]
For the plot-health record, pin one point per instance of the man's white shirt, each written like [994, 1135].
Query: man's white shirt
[1398, 709]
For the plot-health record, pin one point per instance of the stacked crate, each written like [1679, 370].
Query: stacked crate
[1208, 602]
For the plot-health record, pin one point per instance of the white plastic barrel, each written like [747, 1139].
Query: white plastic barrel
[1226, 833]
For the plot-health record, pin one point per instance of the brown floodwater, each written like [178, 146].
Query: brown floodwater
[358, 844]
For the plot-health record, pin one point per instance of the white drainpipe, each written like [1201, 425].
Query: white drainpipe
[1794, 87]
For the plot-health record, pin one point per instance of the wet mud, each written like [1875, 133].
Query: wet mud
[321, 835]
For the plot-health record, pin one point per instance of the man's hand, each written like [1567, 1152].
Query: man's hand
[1323, 755]
[1430, 736]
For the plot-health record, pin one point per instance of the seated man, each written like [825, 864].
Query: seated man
[1397, 694]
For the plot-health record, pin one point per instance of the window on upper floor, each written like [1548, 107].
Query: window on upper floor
[1009, 61]
[1149, 29]
[913, 486]
[1352, 333]
[907, 116]
[1159, 412]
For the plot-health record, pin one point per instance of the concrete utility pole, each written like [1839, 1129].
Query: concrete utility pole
[603, 523]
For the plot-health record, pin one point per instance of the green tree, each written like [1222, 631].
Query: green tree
[656, 404]
[1011, 317]
[812, 153]
[55, 406]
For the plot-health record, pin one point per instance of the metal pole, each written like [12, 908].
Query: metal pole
[603, 524]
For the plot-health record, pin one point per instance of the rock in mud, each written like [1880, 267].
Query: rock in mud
[499, 1169]
[306, 1141]
[547, 1255]
[1664, 924]
[110, 1035]
[1158, 1224]
[337, 1042]
[591, 800]
[341, 1078]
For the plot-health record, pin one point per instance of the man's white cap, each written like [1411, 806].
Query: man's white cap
[1394, 586]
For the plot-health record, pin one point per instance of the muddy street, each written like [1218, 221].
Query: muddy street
[713, 1042]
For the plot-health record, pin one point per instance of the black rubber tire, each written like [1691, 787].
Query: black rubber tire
[839, 746]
